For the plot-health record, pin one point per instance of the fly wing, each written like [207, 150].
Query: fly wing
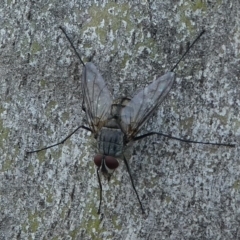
[97, 99]
[144, 103]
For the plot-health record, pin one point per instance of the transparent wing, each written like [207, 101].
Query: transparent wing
[97, 99]
[144, 103]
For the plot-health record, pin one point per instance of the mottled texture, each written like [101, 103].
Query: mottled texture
[189, 191]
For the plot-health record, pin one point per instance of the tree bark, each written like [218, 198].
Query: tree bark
[189, 191]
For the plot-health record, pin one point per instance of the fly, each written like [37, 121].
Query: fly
[116, 123]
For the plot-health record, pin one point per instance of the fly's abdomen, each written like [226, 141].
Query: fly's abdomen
[110, 141]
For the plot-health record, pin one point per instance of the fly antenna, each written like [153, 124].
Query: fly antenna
[75, 50]
[188, 49]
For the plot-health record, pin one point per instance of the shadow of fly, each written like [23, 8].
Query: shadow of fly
[116, 123]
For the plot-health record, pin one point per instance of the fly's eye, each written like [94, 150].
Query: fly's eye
[111, 162]
[98, 160]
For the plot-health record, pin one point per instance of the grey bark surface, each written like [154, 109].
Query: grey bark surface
[189, 191]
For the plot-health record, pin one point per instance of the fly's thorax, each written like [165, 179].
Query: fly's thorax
[111, 141]
[118, 105]
[116, 110]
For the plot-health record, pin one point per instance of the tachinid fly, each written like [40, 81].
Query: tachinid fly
[116, 123]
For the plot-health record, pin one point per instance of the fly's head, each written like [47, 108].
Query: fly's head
[107, 164]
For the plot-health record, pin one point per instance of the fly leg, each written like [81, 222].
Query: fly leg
[100, 189]
[182, 140]
[129, 172]
[61, 142]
